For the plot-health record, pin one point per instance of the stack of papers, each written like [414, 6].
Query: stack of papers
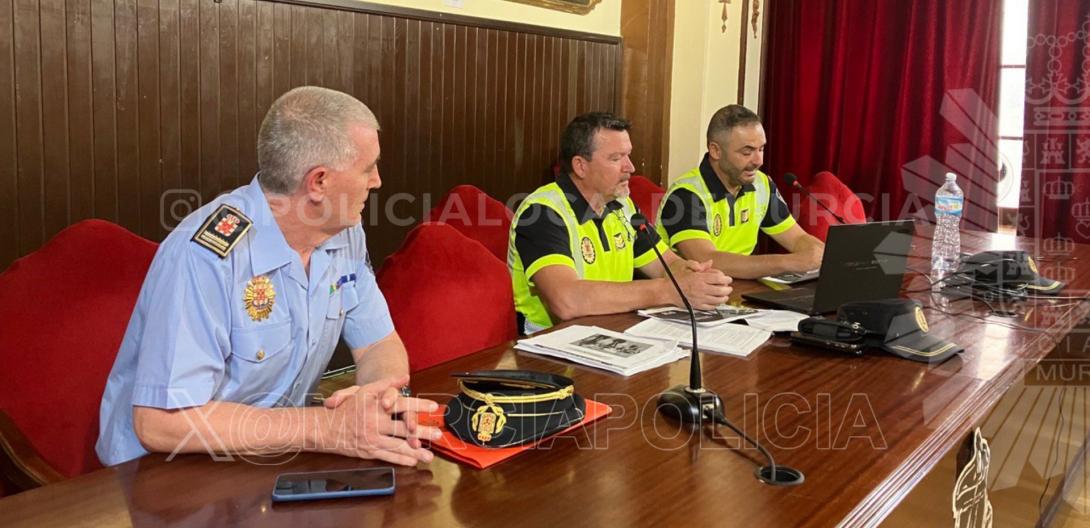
[775, 320]
[604, 349]
[703, 317]
[733, 339]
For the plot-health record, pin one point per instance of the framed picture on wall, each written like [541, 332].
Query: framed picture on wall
[579, 7]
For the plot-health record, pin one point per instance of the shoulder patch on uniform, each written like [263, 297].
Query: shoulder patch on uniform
[222, 230]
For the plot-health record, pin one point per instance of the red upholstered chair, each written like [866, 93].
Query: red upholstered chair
[64, 309]
[478, 216]
[647, 196]
[448, 295]
[828, 189]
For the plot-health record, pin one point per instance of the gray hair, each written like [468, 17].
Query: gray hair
[304, 128]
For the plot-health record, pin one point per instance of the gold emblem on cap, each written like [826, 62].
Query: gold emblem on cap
[717, 224]
[1032, 264]
[587, 248]
[259, 298]
[920, 320]
[487, 420]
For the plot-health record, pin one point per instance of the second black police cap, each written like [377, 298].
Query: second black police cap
[899, 327]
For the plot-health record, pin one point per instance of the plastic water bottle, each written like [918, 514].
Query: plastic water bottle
[946, 244]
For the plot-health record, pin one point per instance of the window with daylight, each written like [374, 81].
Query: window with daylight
[1012, 98]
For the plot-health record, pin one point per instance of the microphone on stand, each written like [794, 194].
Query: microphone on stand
[793, 181]
[693, 404]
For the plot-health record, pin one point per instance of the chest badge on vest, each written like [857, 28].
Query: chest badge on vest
[587, 247]
[744, 216]
[619, 241]
[259, 298]
[717, 224]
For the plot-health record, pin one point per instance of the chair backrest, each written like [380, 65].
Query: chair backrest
[65, 308]
[476, 215]
[647, 196]
[448, 295]
[832, 192]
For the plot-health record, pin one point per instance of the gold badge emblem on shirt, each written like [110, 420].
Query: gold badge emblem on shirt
[921, 321]
[587, 248]
[717, 224]
[259, 298]
[619, 241]
[744, 215]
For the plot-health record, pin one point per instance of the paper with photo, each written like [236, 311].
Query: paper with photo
[604, 349]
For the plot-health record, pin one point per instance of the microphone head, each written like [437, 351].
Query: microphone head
[639, 221]
[791, 179]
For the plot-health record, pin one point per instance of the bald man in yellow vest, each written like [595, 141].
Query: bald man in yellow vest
[715, 211]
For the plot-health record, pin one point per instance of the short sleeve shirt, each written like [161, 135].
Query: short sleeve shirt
[197, 334]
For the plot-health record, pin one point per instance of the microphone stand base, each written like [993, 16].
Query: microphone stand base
[689, 406]
[784, 476]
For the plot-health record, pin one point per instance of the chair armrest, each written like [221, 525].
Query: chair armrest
[19, 462]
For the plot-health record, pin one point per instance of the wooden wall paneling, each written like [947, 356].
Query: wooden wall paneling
[493, 126]
[328, 37]
[9, 189]
[314, 59]
[298, 46]
[186, 196]
[533, 102]
[149, 182]
[522, 104]
[433, 106]
[505, 156]
[395, 105]
[282, 50]
[247, 62]
[81, 191]
[55, 177]
[142, 110]
[647, 29]
[127, 132]
[344, 50]
[28, 122]
[227, 93]
[410, 123]
[209, 99]
[170, 112]
[265, 46]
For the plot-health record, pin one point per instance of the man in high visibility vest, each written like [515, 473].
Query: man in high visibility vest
[572, 250]
[715, 211]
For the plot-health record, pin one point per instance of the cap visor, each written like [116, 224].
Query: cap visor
[1045, 286]
[922, 347]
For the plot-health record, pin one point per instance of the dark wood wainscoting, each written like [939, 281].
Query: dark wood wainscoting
[136, 111]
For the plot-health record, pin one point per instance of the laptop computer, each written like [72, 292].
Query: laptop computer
[862, 262]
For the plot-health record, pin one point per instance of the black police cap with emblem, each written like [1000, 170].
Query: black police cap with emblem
[899, 327]
[503, 408]
[1008, 270]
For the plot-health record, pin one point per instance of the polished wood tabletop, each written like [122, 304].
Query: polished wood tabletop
[864, 430]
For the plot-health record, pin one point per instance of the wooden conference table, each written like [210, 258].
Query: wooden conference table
[863, 430]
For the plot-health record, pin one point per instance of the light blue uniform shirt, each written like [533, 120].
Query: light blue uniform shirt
[191, 340]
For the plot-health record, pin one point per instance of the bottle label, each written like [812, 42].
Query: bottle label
[948, 205]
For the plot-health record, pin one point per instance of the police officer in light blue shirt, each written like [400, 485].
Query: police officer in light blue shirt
[246, 300]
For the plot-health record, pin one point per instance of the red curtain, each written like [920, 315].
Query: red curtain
[889, 95]
[1055, 193]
